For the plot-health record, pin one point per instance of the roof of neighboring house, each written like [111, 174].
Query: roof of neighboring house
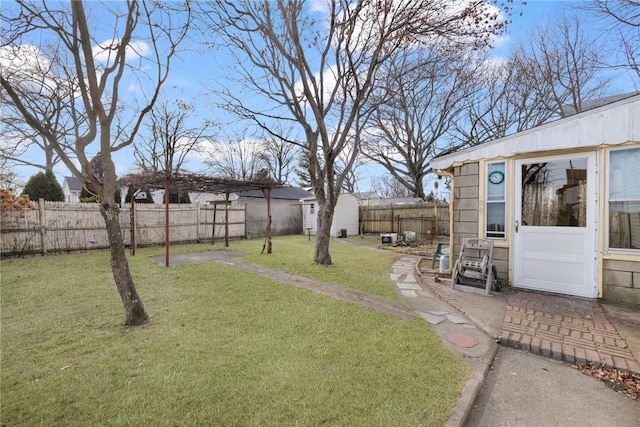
[613, 124]
[569, 110]
[400, 201]
[285, 193]
[73, 183]
[367, 195]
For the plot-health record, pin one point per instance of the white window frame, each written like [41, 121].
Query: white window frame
[490, 167]
[608, 204]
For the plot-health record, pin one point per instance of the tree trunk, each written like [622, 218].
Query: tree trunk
[323, 234]
[419, 190]
[133, 307]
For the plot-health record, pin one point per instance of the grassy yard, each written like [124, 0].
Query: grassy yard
[223, 347]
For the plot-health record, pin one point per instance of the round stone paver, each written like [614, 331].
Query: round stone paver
[463, 340]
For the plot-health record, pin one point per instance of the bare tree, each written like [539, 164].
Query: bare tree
[389, 186]
[33, 75]
[8, 179]
[623, 19]
[420, 99]
[549, 75]
[144, 38]
[170, 139]
[560, 62]
[316, 69]
[238, 157]
[352, 176]
[501, 102]
[278, 156]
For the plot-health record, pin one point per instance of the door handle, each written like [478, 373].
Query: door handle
[516, 226]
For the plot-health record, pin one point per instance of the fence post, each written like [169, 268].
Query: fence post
[435, 210]
[213, 231]
[198, 223]
[43, 229]
[392, 217]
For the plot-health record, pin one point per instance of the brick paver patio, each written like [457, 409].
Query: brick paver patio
[568, 329]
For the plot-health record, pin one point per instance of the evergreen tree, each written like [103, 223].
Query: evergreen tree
[181, 197]
[304, 180]
[44, 185]
[147, 199]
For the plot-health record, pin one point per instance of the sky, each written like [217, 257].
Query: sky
[196, 72]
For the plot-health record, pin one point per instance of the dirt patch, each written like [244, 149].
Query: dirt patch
[198, 257]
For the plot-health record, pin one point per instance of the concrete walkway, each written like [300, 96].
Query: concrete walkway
[328, 289]
[523, 390]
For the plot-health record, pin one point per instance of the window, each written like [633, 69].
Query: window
[496, 185]
[554, 194]
[312, 208]
[624, 199]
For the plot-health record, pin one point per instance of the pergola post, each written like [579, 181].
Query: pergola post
[226, 220]
[267, 237]
[268, 220]
[166, 219]
[213, 231]
[132, 228]
[185, 182]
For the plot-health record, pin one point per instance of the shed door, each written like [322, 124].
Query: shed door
[555, 229]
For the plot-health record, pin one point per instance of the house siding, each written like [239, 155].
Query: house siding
[621, 281]
[466, 214]
[465, 208]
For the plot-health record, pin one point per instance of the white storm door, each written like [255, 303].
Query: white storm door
[555, 229]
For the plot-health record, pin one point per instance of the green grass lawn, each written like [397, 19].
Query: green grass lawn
[223, 347]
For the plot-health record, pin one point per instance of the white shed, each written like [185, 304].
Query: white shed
[345, 216]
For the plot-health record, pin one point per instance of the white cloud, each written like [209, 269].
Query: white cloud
[106, 51]
[23, 57]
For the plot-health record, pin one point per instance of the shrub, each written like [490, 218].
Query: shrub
[44, 185]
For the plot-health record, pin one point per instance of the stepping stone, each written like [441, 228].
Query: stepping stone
[456, 319]
[463, 340]
[394, 276]
[410, 278]
[409, 293]
[438, 313]
[431, 319]
[412, 286]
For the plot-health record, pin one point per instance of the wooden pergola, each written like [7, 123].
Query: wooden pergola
[200, 183]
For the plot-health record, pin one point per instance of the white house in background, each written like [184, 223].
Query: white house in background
[400, 201]
[345, 216]
[368, 198]
[561, 203]
[71, 187]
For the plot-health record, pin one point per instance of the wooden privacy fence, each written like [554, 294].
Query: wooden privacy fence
[426, 220]
[62, 227]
